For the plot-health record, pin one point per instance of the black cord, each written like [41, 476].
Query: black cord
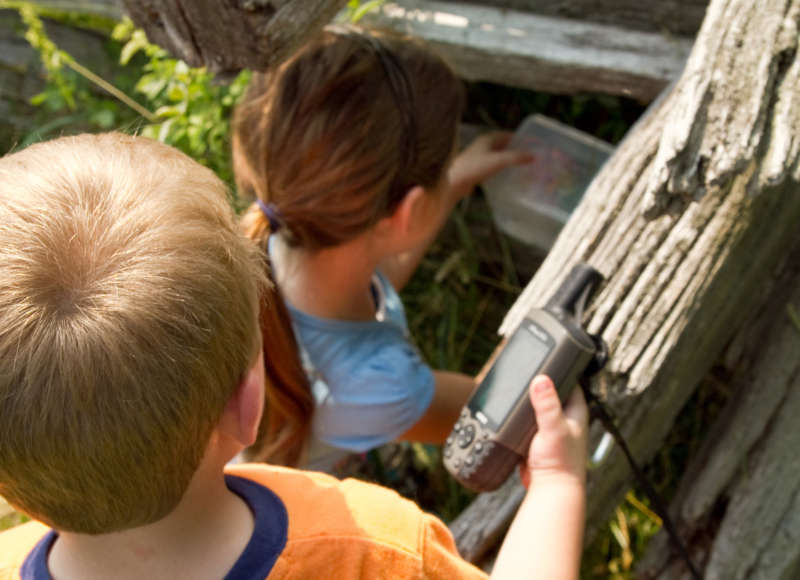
[598, 410]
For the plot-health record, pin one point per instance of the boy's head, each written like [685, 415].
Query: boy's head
[127, 317]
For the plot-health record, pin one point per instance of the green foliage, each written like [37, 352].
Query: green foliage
[71, 100]
[356, 10]
[183, 106]
[62, 88]
[191, 111]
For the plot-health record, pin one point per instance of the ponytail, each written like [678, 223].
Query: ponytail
[286, 425]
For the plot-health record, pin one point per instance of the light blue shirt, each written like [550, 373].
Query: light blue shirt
[369, 382]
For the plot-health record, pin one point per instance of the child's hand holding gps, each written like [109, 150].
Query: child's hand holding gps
[546, 537]
[559, 448]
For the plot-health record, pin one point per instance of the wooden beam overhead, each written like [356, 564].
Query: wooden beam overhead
[677, 17]
[545, 53]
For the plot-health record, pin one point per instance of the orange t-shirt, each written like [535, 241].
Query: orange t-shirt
[336, 529]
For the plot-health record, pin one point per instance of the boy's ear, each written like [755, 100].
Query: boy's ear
[243, 411]
[407, 212]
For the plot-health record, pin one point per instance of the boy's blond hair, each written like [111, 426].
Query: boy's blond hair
[128, 306]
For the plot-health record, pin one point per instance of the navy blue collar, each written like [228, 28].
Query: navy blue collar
[259, 556]
[270, 533]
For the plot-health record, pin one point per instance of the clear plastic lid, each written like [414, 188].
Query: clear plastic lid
[533, 201]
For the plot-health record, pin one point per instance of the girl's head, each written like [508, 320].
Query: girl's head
[335, 137]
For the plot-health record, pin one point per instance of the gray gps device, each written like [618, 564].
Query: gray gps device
[495, 428]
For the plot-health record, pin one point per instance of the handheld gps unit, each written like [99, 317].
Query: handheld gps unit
[495, 428]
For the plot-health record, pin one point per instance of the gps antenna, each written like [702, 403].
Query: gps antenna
[574, 292]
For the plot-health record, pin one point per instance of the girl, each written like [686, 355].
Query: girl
[348, 149]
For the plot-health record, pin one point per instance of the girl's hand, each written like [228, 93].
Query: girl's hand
[559, 449]
[486, 155]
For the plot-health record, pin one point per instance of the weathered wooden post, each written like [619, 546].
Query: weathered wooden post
[695, 222]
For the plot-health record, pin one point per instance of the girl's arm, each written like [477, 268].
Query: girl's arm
[546, 537]
[452, 392]
[484, 157]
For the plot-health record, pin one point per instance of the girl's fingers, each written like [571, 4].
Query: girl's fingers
[510, 158]
[500, 139]
[493, 141]
[498, 160]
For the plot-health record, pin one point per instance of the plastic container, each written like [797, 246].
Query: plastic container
[532, 202]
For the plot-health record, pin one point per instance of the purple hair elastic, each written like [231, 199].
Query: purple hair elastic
[272, 213]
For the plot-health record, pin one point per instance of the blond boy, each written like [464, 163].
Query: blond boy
[131, 372]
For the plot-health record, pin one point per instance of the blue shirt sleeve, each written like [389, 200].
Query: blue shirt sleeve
[384, 397]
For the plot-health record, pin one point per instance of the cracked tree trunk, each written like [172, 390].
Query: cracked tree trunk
[229, 35]
[690, 221]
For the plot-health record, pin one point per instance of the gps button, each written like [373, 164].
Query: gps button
[467, 435]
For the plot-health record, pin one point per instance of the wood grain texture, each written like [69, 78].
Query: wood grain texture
[478, 529]
[738, 500]
[687, 220]
[227, 36]
[677, 17]
[534, 47]
[538, 52]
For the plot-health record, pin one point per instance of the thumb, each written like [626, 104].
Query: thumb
[546, 404]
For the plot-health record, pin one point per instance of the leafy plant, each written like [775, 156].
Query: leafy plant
[356, 10]
[183, 106]
[68, 99]
[192, 111]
